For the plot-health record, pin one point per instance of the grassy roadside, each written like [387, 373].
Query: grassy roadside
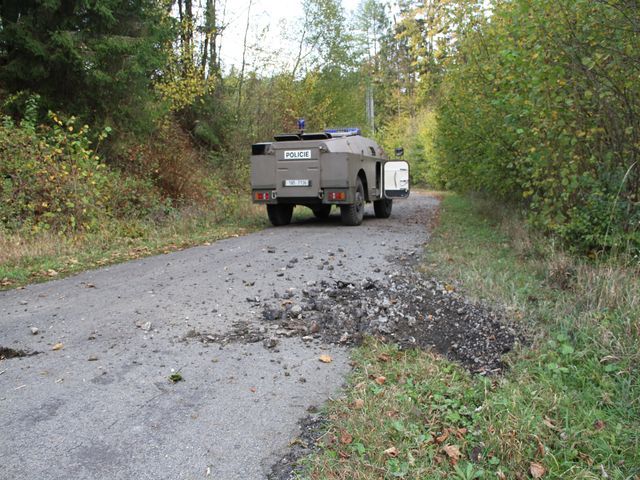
[569, 407]
[25, 260]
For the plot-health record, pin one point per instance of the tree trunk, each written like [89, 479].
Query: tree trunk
[244, 53]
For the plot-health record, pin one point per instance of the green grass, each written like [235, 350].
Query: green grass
[29, 259]
[569, 404]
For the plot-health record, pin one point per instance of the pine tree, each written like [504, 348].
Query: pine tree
[96, 59]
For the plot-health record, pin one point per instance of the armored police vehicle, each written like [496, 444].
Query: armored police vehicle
[320, 170]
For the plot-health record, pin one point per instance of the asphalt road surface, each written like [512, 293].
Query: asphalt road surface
[96, 401]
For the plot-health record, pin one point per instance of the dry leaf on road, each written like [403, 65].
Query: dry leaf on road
[325, 359]
[537, 470]
[380, 380]
[58, 346]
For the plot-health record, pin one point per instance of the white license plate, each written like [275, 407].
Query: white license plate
[296, 183]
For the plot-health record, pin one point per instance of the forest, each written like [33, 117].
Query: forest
[118, 115]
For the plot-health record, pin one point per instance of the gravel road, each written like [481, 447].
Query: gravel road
[89, 396]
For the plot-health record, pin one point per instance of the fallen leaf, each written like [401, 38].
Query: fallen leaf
[442, 437]
[599, 424]
[175, 377]
[325, 359]
[540, 450]
[500, 475]
[609, 358]
[549, 423]
[346, 438]
[358, 403]
[384, 357]
[344, 455]
[585, 458]
[453, 452]
[392, 452]
[252, 389]
[58, 346]
[52, 273]
[537, 470]
[380, 380]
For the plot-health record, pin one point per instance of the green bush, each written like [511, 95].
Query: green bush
[542, 104]
[52, 179]
[415, 135]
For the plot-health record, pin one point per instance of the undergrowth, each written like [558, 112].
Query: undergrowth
[568, 407]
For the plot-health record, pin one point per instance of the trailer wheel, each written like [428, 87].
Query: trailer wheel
[382, 207]
[280, 214]
[322, 212]
[353, 214]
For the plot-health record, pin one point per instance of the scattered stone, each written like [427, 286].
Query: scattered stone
[34, 330]
[407, 308]
[146, 326]
[271, 342]
[92, 358]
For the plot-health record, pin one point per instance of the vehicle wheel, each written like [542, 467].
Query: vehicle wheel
[322, 212]
[280, 214]
[383, 207]
[353, 214]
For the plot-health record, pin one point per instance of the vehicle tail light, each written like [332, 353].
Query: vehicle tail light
[337, 196]
[262, 195]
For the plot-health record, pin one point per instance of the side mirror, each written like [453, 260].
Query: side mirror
[399, 152]
[396, 179]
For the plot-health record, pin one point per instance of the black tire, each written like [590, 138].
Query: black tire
[280, 214]
[322, 212]
[353, 214]
[383, 207]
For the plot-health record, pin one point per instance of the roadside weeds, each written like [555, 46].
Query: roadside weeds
[25, 260]
[567, 408]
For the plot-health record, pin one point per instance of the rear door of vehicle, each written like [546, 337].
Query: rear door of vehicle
[298, 171]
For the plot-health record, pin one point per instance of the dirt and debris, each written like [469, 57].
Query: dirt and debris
[312, 428]
[405, 307]
[6, 353]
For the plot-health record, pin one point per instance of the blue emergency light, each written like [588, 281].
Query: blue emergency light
[351, 130]
[301, 124]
